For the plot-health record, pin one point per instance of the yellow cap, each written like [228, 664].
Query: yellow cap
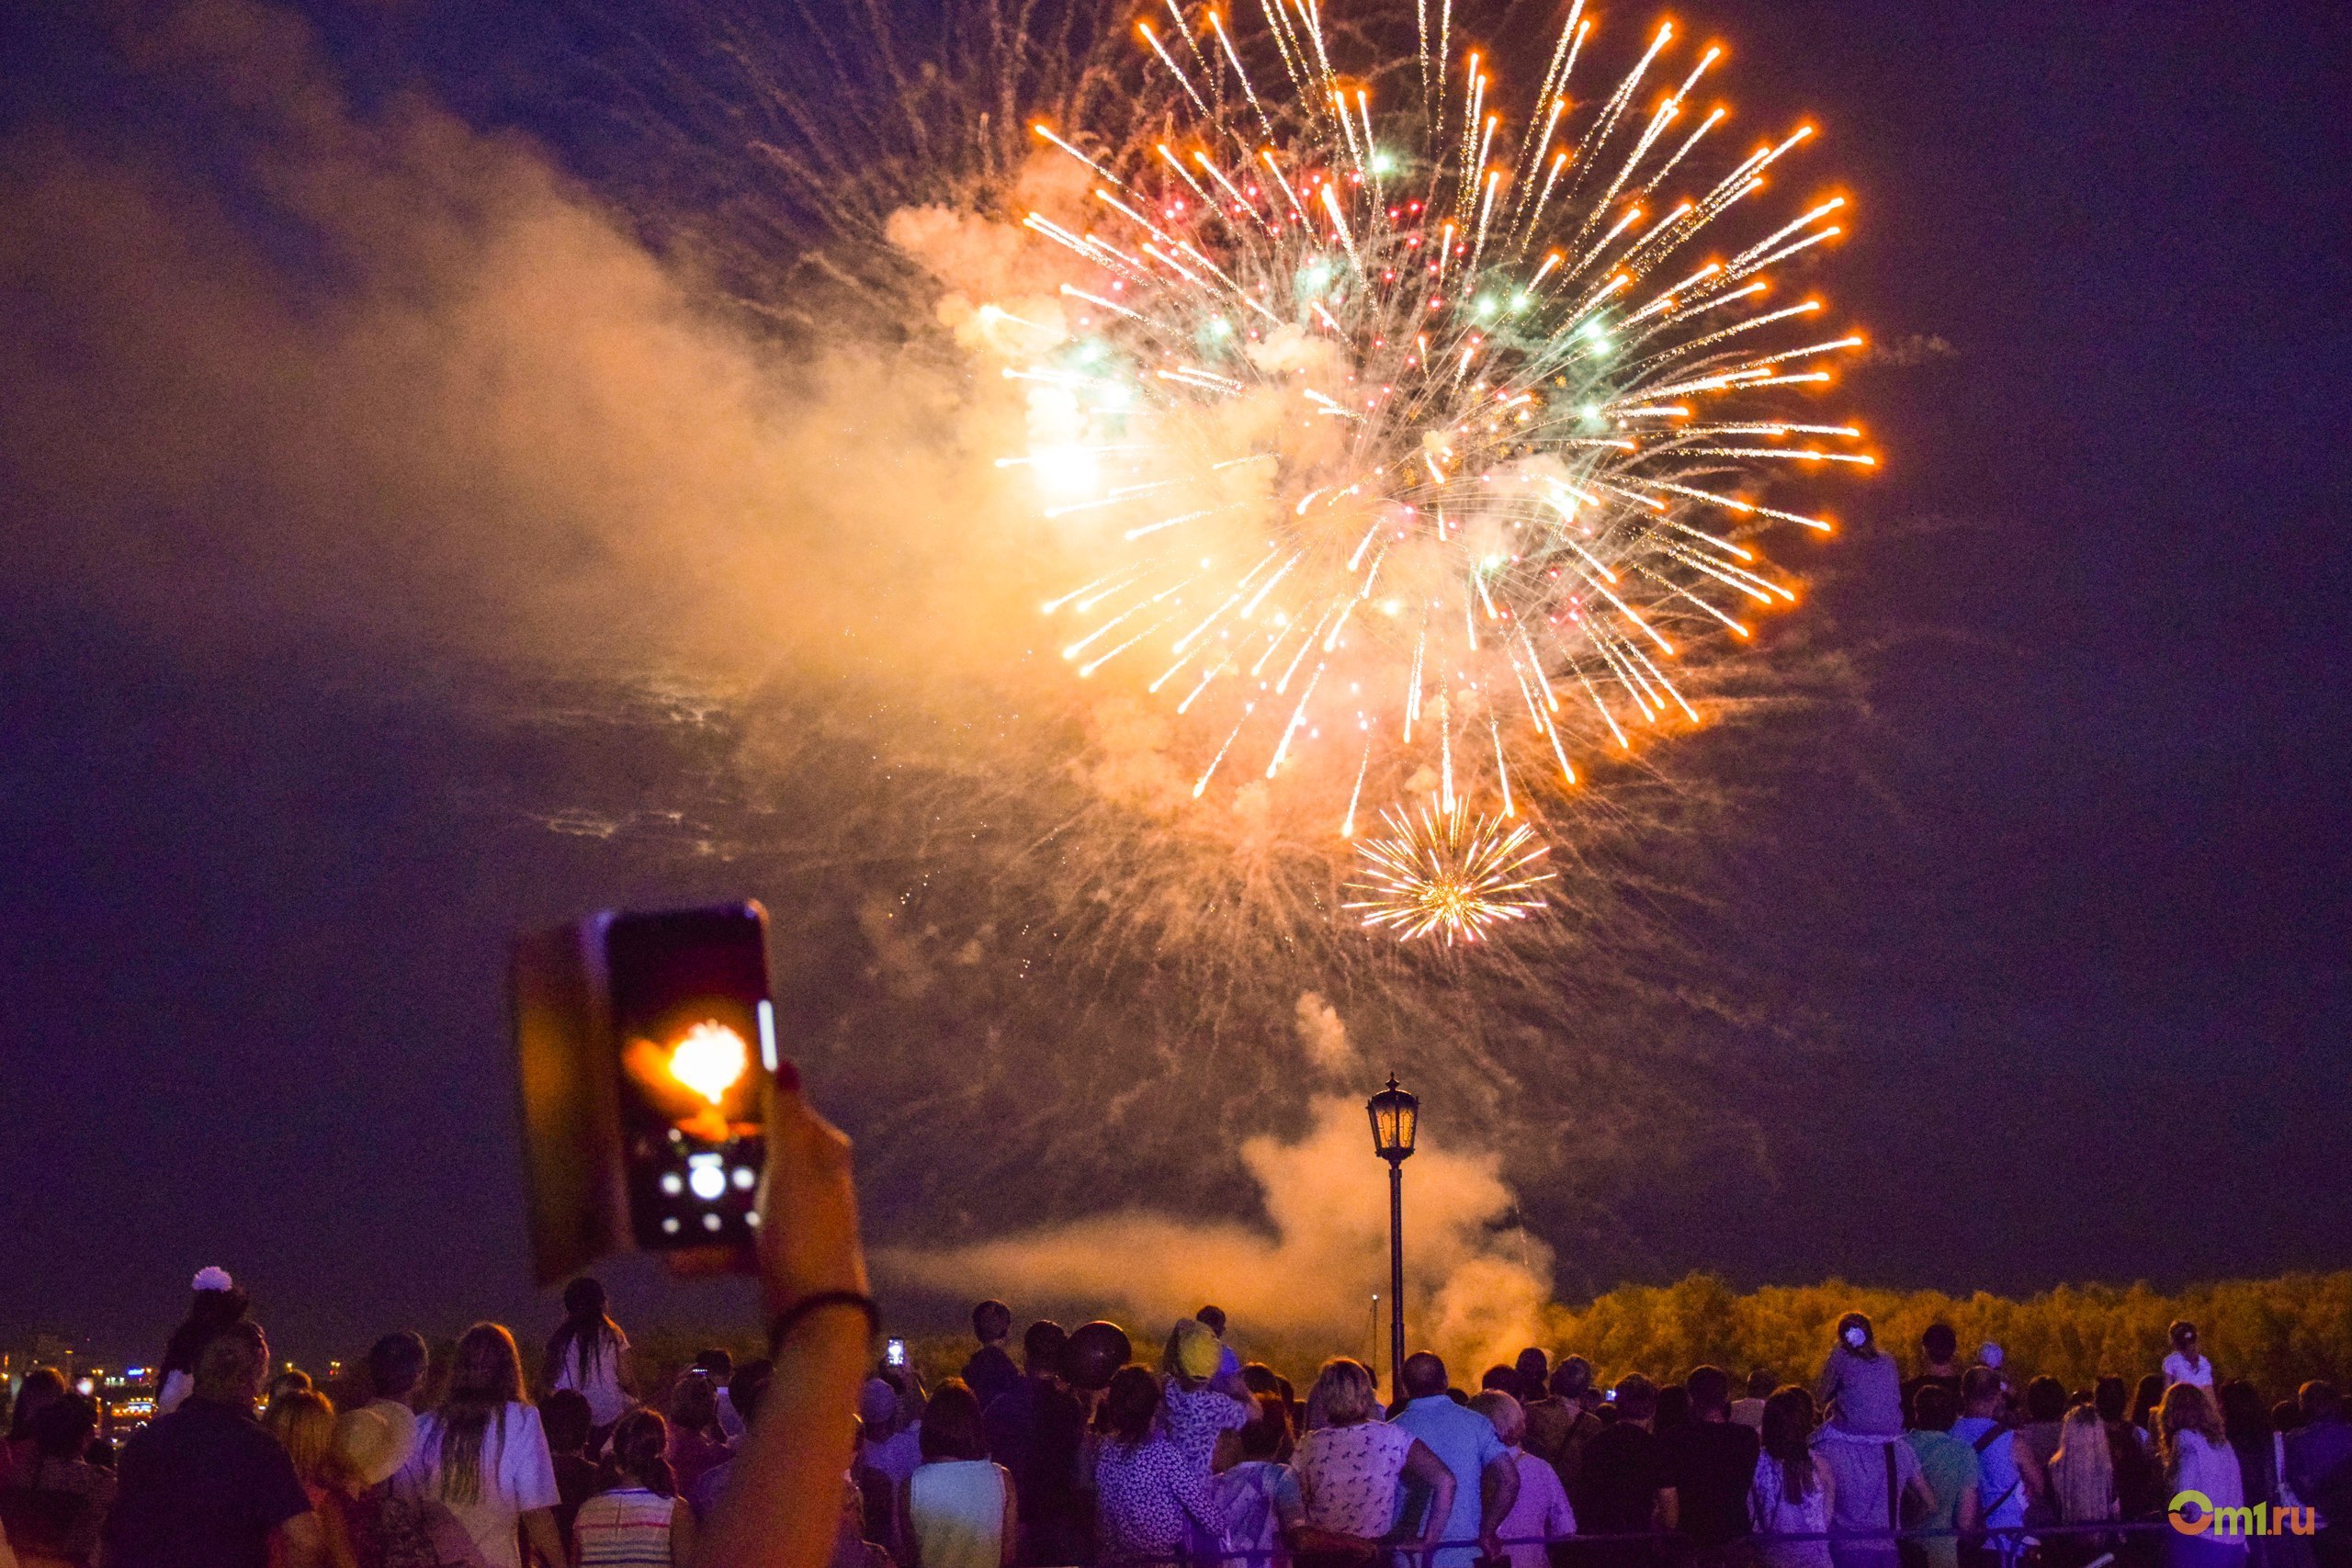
[1197, 1350]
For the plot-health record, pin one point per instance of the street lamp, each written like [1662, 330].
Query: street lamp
[1395, 1116]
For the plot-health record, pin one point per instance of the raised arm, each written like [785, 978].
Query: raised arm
[775, 1512]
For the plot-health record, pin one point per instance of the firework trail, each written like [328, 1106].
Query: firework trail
[1416, 448]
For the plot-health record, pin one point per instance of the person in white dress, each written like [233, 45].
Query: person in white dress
[481, 1461]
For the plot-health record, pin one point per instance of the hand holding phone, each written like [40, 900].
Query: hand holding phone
[807, 1235]
[646, 1045]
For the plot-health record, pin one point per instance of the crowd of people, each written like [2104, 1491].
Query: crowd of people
[1061, 1458]
[1209, 1460]
[813, 1457]
[241, 1466]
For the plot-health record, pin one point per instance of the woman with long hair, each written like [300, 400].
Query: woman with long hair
[588, 1354]
[637, 1521]
[481, 1456]
[1793, 1489]
[2198, 1458]
[217, 1303]
[2082, 1487]
[302, 1420]
[957, 1510]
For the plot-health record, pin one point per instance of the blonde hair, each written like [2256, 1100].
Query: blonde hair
[1342, 1394]
[2185, 1408]
[1510, 1418]
[2082, 1473]
[302, 1420]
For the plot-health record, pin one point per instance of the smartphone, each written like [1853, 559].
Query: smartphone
[694, 1030]
[646, 1042]
[894, 1352]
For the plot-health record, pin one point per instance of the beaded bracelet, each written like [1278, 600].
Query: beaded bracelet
[789, 1318]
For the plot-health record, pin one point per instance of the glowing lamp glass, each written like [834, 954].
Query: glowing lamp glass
[1395, 1118]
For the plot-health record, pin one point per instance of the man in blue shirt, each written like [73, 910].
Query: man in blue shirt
[1486, 1480]
[2000, 1490]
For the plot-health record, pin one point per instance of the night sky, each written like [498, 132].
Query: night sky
[2077, 913]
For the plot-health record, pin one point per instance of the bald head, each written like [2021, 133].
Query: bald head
[1424, 1375]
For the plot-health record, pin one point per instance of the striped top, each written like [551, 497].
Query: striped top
[625, 1527]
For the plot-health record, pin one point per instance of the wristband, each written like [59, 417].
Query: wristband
[785, 1321]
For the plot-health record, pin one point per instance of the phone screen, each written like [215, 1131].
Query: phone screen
[894, 1353]
[695, 1030]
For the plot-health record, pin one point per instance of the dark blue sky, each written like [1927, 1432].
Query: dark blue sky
[2080, 913]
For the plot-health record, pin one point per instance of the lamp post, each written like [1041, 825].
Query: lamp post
[1395, 1116]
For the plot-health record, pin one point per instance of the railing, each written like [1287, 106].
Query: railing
[2008, 1542]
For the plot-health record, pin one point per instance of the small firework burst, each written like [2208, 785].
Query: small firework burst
[1450, 872]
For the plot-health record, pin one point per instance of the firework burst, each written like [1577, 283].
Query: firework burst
[1449, 873]
[1414, 447]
